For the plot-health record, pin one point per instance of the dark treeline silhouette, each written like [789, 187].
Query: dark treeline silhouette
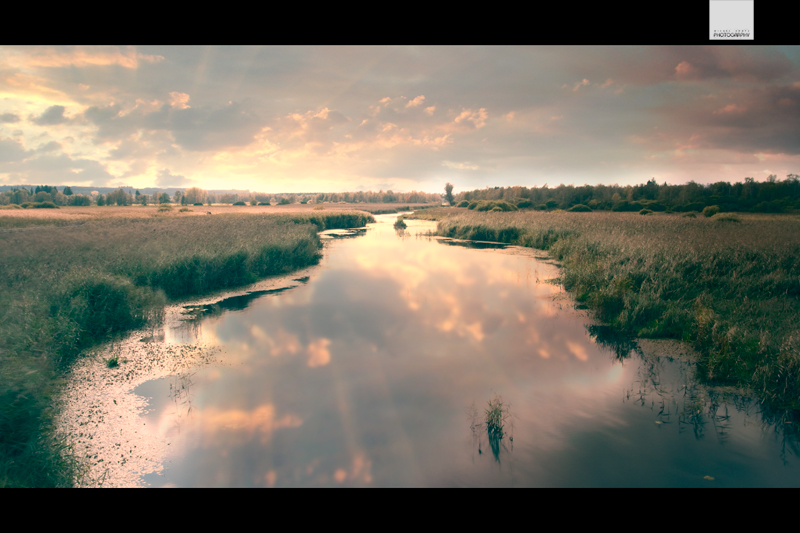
[770, 196]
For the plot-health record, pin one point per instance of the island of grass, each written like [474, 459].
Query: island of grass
[728, 284]
[65, 287]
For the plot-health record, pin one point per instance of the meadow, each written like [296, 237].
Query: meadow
[728, 284]
[71, 280]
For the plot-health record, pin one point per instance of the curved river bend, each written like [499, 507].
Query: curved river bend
[375, 368]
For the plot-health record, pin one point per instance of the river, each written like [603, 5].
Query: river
[376, 367]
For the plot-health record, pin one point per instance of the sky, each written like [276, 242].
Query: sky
[333, 119]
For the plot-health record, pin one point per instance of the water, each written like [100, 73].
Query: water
[375, 367]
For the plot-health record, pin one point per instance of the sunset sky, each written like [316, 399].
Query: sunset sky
[311, 119]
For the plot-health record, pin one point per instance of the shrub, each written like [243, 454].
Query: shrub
[400, 223]
[710, 211]
[541, 207]
[463, 203]
[580, 208]
[491, 205]
[198, 203]
[496, 209]
[319, 207]
[264, 203]
[645, 212]
[690, 214]
[238, 203]
[524, 203]
[726, 217]
[163, 208]
[39, 205]
[185, 209]
[284, 201]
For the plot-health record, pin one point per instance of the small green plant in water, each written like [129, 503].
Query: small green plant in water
[400, 223]
[496, 416]
[112, 362]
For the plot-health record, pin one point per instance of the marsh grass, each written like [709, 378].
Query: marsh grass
[64, 288]
[400, 223]
[730, 289]
[497, 415]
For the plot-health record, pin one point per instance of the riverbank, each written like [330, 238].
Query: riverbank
[731, 288]
[70, 285]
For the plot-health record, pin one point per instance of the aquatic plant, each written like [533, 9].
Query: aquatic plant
[496, 416]
[400, 223]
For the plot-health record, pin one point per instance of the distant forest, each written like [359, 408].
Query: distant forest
[26, 196]
[770, 196]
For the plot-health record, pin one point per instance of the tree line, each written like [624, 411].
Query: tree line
[769, 196]
[196, 195]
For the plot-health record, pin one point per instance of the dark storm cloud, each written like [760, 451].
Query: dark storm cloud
[9, 118]
[52, 116]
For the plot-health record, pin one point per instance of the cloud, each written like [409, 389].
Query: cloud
[416, 101]
[179, 100]
[78, 56]
[167, 179]
[49, 147]
[9, 118]
[11, 151]
[478, 118]
[52, 116]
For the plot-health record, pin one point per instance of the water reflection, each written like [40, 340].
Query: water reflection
[360, 375]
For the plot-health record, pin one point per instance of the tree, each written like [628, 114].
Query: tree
[448, 193]
[68, 191]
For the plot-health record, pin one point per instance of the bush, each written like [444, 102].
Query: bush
[690, 214]
[164, 208]
[284, 201]
[463, 203]
[198, 203]
[264, 203]
[496, 209]
[580, 208]
[524, 203]
[726, 217]
[491, 205]
[645, 212]
[400, 223]
[319, 207]
[238, 203]
[39, 205]
[710, 211]
[541, 207]
[185, 209]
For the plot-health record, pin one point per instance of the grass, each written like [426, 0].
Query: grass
[496, 416]
[731, 289]
[400, 223]
[64, 288]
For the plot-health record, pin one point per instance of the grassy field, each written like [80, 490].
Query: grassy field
[75, 282]
[730, 285]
